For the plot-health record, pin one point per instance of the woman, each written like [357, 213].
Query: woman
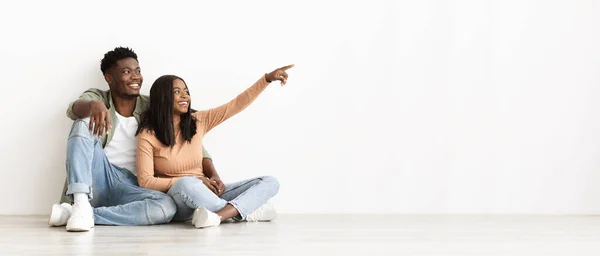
[169, 155]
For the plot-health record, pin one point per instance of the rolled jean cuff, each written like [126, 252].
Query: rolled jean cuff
[79, 188]
[242, 214]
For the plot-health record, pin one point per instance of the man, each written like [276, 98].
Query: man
[101, 151]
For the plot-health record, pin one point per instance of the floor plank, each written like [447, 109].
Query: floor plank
[318, 235]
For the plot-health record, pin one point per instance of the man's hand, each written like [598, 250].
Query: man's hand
[209, 184]
[99, 117]
[219, 184]
[279, 74]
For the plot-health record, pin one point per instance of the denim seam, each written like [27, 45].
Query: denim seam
[148, 213]
[80, 136]
[243, 184]
[186, 199]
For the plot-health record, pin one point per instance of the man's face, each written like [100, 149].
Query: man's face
[125, 78]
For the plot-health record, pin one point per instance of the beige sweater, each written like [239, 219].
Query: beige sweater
[159, 166]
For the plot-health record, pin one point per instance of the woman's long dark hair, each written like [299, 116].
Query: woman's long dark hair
[159, 117]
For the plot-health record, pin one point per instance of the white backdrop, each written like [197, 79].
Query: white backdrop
[393, 106]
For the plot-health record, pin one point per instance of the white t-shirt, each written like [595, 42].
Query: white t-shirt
[121, 150]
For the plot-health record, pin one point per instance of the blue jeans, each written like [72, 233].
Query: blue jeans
[114, 192]
[246, 196]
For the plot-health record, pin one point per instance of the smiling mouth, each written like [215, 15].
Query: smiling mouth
[183, 103]
[134, 86]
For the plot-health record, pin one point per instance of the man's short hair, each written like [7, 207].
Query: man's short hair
[110, 58]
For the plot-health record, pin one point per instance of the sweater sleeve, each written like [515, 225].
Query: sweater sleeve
[145, 166]
[215, 116]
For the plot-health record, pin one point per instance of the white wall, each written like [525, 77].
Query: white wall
[393, 106]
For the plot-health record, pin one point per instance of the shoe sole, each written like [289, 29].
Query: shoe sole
[79, 229]
[269, 217]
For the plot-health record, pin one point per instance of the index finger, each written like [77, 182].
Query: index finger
[91, 124]
[108, 123]
[211, 187]
[99, 126]
[287, 67]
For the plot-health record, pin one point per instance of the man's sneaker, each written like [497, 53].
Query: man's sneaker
[82, 217]
[60, 214]
[204, 218]
[264, 213]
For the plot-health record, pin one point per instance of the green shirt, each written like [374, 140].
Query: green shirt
[142, 103]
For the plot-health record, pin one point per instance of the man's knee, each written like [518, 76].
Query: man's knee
[161, 210]
[81, 127]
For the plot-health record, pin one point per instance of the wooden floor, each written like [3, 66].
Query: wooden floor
[311, 235]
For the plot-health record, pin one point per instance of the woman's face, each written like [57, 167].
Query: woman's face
[181, 97]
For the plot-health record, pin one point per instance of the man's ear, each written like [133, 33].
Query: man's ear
[108, 78]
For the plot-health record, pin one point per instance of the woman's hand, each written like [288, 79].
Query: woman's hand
[210, 184]
[279, 74]
[219, 184]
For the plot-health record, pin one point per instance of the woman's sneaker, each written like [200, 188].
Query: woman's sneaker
[204, 218]
[60, 214]
[264, 213]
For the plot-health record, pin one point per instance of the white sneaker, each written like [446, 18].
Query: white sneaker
[82, 217]
[60, 214]
[264, 213]
[204, 218]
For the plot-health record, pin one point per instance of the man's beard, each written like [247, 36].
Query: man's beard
[131, 96]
